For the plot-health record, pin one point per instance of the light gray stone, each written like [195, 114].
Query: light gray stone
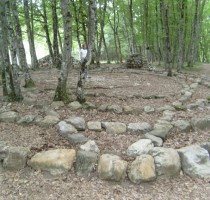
[161, 130]
[167, 161]
[9, 116]
[201, 123]
[75, 105]
[114, 127]
[206, 145]
[182, 125]
[111, 167]
[142, 169]
[157, 141]
[85, 162]
[57, 105]
[142, 146]
[194, 85]
[103, 107]
[128, 110]
[27, 119]
[149, 109]
[202, 102]
[138, 128]
[192, 106]
[115, 108]
[168, 115]
[167, 107]
[77, 138]
[52, 112]
[66, 129]
[56, 161]
[94, 126]
[195, 161]
[89, 105]
[16, 158]
[77, 122]
[48, 121]
[4, 148]
[90, 146]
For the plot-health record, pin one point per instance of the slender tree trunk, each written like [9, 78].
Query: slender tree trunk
[159, 55]
[61, 93]
[91, 39]
[56, 60]
[181, 36]
[20, 47]
[133, 43]
[15, 80]
[106, 50]
[60, 42]
[165, 12]
[34, 61]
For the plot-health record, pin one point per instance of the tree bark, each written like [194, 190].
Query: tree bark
[61, 93]
[34, 61]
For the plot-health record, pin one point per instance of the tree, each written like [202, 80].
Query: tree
[61, 93]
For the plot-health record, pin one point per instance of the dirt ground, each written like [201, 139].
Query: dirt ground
[113, 86]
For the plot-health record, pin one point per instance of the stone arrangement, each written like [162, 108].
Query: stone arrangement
[151, 159]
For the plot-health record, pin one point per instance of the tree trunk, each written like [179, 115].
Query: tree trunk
[181, 36]
[165, 13]
[20, 47]
[91, 39]
[106, 50]
[56, 60]
[133, 41]
[61, 93]
[34, 61]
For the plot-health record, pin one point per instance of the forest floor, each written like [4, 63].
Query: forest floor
[113, 86]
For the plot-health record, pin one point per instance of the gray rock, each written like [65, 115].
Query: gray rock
[9, 116]
[75, 105]
[77, 122]
[16, 158]
[182, 125]
[168, 115]
[201, 123]
[157, 141]
[29, 100]
[52, 112]
[141, 127]
[57, 105]
[56, 161]
[89, 105]
[85, 162]
[194, 85]
[206, 145]
[111, 167]
[4, 148]
[77, 138]
[195, 161]
[27, 119]
[167, 107]
[94, 126]
[115, 108]
[128, 110]
[142, 169]
[66, 129]
[148, 109]
[202, 102]
[114, 127]
[161, 130]
[192, 106]
[103, 107]
[167, 161]
[143, 146]
[48, 121]
[90, 146]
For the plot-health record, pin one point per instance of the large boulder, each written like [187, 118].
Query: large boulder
[111, 167]
[56, 161]
[167, 161]
[195, 161]
[142, 169]
[143, 146]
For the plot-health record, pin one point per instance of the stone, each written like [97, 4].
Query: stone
[192, 106]
[94, 126]
[85, 162]
[194, 85]
[89, 105]
[52, 112]
[142, 146]
[195, 161]
[201, 123]
[56, 161]
[103, 107]
[27, 119]
[115, 108]
[9, 116]
[167, 161]
[66, 129]
[206, 145]
[142, 169]
[57, 105]
[202, 102]
[167, 107]
[77, 138]
[161, 130]
[139, 128]
[128, 110]
[90, 146]
[77, 122]
[111, 168]
[114, 127]
[148, 109]
[182, 125]
[75, 105]
[4, 148]
[157, 141]
[168, 115]
[48, 121]
[29, 100]
[16, 158]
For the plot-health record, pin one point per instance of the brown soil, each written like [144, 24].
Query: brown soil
[120, 87]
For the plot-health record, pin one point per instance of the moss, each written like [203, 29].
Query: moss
[208, 98]
[29, 84]
[61, 96]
